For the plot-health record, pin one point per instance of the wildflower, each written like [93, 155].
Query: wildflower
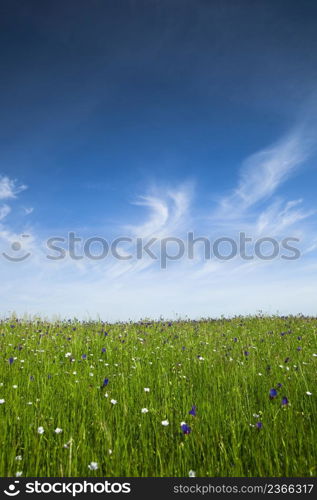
[11, 361]
[58, 430]
[273, 393]
[19, 458]
[286, 360]
[284, 401]
[185, 428]
[93, 466]
[146, 389]
[299, 348]
[15, 386]
[18, 473]
[105, 383]
[113, 401]
[309, 393]
[259, 425]
[279, 385]
[255, 415]
[246, 353]
[193, 411]
[2, 401]
[192, 473]
[165, 423]
[315, 355]
[144, 410]
[103, 349]
[91, 374]
[84, 356]
[68, 354]
[235, 339]
[40, 430]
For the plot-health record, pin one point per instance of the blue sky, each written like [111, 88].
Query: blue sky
[160, 117]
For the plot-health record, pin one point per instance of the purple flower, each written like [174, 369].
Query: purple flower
[84, 356]
[279, 385]
[11, 360]
[246, 353]
[273, 393]
[186, 429]
[284, 401]
[193, 411]
[103, 349]
[105, 382]
[299, 348]
[235, 339]
[259, 425]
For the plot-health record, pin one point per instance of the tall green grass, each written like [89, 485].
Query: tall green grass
[225, 368]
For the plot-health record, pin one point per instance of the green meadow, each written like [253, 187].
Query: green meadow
[206, 398]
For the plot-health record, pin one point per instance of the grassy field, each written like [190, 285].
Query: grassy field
[94, 399]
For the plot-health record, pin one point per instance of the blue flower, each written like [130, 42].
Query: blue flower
[103, 349]
[235, 339]
[273, 393]
[193, 411]
[259, 425]
[284, 401]
[279, 385]
[84, 356]
[246, 353]
[186, 429]
[105, 382]
[11, 360]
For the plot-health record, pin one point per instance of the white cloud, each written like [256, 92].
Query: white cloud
[9, 188]
[4, 211]
[263, 172]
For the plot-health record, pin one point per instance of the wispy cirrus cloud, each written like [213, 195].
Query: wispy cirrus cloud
[265, 171]
[9, 188]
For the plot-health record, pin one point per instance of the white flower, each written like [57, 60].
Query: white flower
[309, 393]
[113, 401]
[2, 401]
[18, 473]
[40, 430]
[19, 458]
[74, 373]
[315, 355]
[29, 403]
[146, 389]
[68, 354]
[58, 430]
[165, 422]
[110, 451]
[255, 415]
[183, 423]
[106, 395]
[192, 473]
[144, 410]
[260, 374]
[93, 466]
[15, 386]
[200, 358]
[91, 374]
